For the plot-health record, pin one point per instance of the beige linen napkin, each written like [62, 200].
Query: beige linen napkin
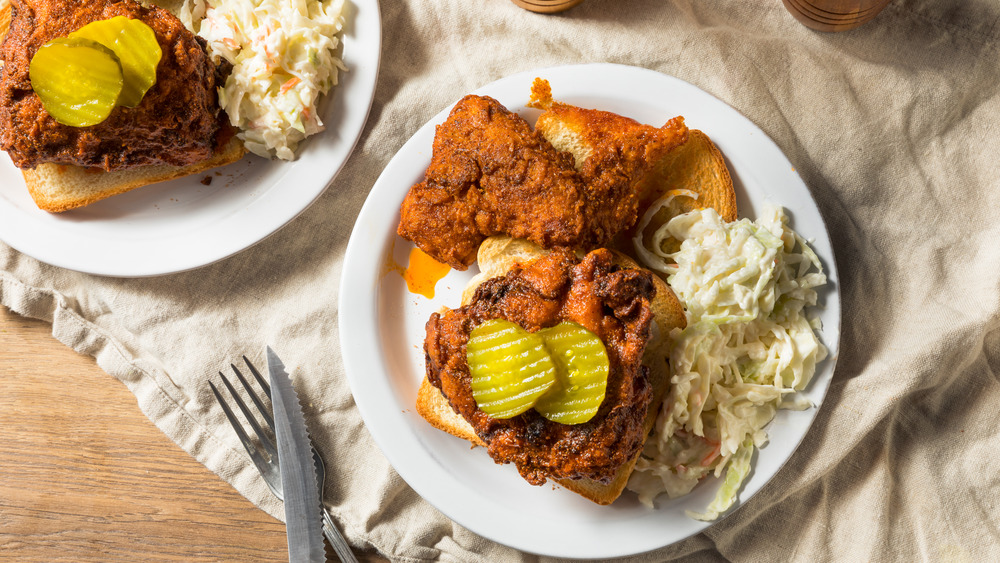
[893, 126]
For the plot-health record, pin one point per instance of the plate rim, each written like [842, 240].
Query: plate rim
[237, 225]
[357, 295]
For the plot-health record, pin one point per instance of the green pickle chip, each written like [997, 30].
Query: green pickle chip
[561, 371]
[136, 47]
[510, 368]
[582, 374]
[78, 80]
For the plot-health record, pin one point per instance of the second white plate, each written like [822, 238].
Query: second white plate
[184, 224]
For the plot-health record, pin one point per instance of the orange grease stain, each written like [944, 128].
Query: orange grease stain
[423, 273]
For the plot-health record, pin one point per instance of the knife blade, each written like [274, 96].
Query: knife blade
[299, 482]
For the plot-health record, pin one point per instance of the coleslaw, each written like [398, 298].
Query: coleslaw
[284, 57]
[747, 348]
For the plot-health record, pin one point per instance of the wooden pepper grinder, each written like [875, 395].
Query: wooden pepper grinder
[834, 15]
[546, 6]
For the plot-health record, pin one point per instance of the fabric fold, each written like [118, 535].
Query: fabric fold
[894, 128]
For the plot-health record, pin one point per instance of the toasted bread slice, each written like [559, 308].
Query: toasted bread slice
[434, 407]
[496, 256]
[695, 176]
[58, 187]
[61, 187]
[695, 167]
[602, 136]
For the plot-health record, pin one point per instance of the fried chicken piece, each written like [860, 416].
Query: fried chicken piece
[491, 174]
[178, 121]
[614, 304]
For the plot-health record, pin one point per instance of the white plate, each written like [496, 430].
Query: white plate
[382, 330]
[183, 224]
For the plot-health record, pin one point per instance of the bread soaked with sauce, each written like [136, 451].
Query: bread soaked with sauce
[694, 173]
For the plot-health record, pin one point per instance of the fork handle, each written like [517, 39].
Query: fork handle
[337, 541]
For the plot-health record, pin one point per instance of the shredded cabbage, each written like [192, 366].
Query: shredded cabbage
[284, 58]
[747, 349]
[739, 468]
[654, 257]
[191, 12]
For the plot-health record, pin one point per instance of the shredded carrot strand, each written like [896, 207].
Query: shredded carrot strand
[710, 457]
[290, 84]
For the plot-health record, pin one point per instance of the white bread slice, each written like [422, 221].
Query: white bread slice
[496, 256]
[61, 187]
[697, 166]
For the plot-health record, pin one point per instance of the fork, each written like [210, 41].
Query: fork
[268, 466]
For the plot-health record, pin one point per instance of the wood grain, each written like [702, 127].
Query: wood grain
[85, 476]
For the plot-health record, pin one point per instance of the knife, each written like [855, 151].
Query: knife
[299, 482]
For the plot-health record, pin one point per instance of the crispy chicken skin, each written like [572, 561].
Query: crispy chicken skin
[178, 122]
[491, 174]
[612, 303]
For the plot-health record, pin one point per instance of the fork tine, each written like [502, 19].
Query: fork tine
[253, 397]
[267, 470]
[265, 440]
[244, 439]
[260, 380]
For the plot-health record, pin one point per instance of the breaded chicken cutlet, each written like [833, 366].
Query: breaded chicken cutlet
[491, 174]
[593, 292]
[179, 121]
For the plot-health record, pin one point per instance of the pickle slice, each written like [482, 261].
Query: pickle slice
[136, 47]
[581, 375]
[78, 80]
[510, 368]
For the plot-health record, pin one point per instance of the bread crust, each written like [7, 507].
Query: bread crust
[58, 187]
[695, 166]
[698, 166]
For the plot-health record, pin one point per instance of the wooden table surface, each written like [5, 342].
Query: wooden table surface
[85, 476]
